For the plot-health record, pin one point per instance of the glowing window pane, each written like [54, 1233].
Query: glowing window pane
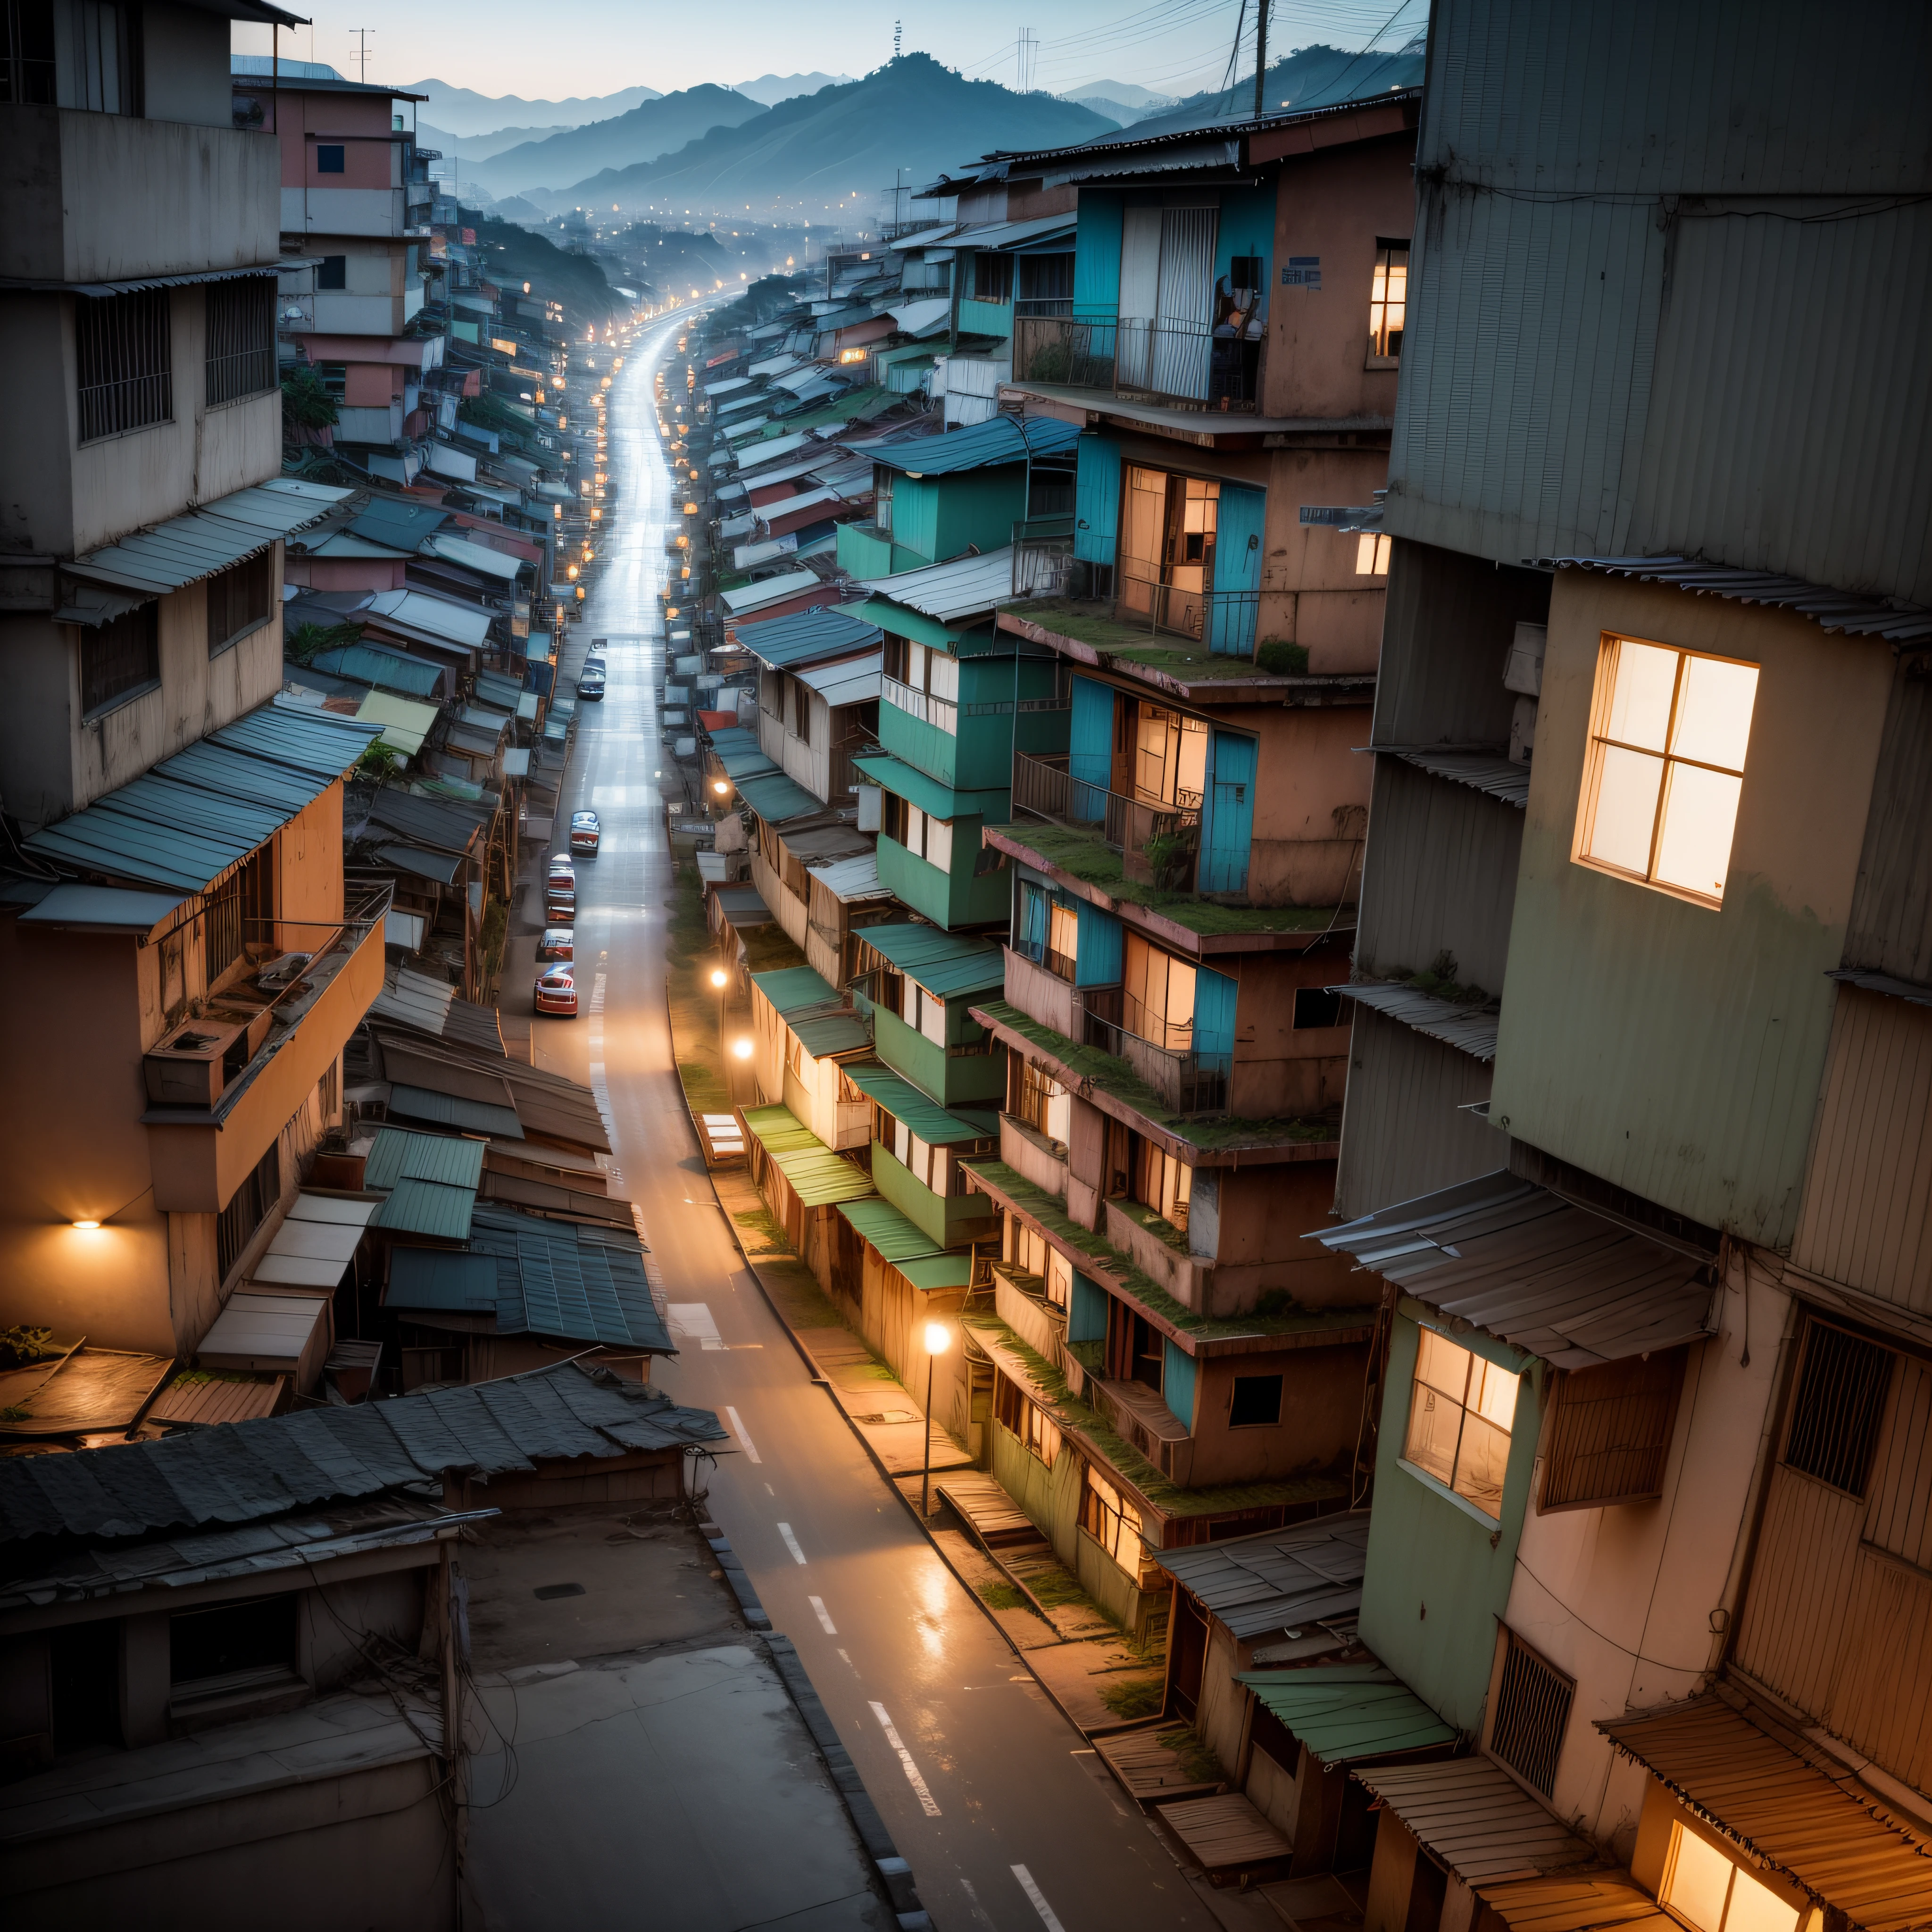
[1700, 1882]
[1699, 816]
[1755, 1907]
[1646, 679]
[1626, 817]
[1714, 711]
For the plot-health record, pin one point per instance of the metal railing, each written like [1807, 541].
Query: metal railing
[1187, 1080]
[1226, 621]
[942, 713]
[1183, 364]
[1045, 787]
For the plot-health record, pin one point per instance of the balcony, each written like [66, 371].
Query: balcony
[223, 1085]
[1158, 1249]
[1045, 788]
[1179, 365]
[953, 1221]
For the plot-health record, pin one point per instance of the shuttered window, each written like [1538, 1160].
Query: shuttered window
[1533, 1700]
[1842, 1383]
[124, 362]
[119, 658]
[241, 600]
[241, 354]
[1609, 1433]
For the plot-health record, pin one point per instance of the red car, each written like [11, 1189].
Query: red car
[559, 942]
[556, 992]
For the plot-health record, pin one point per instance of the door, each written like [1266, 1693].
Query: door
[1140, 293]
[1090, 749]
[1228, 816]
[1187, 1653]
[1096, 499]
[1184, 307]
[1235, 606]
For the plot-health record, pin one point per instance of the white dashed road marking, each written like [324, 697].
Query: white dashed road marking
[791, 1543]
[824, 1616]
[1033, 1891]
[738, 1430]
[911, 1770]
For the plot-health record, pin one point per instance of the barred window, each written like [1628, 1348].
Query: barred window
[234, 1226]
[1842, 1385]
[241, 339]
[123, 362]
[1609, 1433]
[119, 658]
[240, 601]
[1532, 1711]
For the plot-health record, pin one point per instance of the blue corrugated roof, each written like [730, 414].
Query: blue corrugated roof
[398, 1154]
[388, 671]
[986, 445]
[419, 1103]
[451, 1278]
[775, 798]
[427, 1207]
[578, 1283]
[807, 637]
[744, 764]
[792, 989]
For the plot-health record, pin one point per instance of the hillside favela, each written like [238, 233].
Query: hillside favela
[885, 717]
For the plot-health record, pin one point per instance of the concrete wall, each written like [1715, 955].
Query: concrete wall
[1281, 1069]
[1676, 1050]
[1321, 1412]
[186, 77]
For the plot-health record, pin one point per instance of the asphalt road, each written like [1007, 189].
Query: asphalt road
[1006, 1820]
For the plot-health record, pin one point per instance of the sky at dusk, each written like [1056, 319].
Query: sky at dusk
[585, 47]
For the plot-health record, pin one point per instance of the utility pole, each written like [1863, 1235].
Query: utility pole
[1261, 56]
[897, 27]
[361, 36]
[1029, 42]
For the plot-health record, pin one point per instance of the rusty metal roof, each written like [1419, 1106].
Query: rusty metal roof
[1280, 1578]
[1817, 1825]
[1476, 1819]
[1471, 1029]
[1830, 609]
[1483, 771]
[1576, 1902]
[1506, 1254]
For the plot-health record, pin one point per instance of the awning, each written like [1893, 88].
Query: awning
[1816, 1826]
[934, 799]
[186, 822]
[1573, 1287]
[275, 1332]
[993, 444]
[854, 682]
[1471, 1030]
[1475, 1818]
[904, 1102]
[945, 964]
[948, 593]
[851, 881]
[405, 723]
[1576, 1902]
[1346, 1713]
[185, 549]
[102, 909]
[1279, 1580]
[1482, 771]
[442, 619]
[881, 1224]
[315, 1244]
[476, 556]
[775, 798]
[817, 1176]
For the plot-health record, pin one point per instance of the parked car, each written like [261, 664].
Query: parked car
[561, 868]
[594, 664]
[586, 833]
[556, 992]
[559, 942]
[590, 683]
[560, 905]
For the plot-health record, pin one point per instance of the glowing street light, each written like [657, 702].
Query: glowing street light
[938, 1338]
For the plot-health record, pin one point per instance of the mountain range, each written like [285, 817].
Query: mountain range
[1313, 76]
[573, 155]
[463, 112]
[842, 144]
[768, 89]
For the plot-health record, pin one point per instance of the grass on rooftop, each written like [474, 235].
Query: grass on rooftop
[1093, 624]
[1086, 855]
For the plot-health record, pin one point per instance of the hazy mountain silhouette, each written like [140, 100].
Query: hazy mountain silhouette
[656, 128]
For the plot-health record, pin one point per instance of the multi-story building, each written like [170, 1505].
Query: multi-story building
[1635, 1112]
[177, 919]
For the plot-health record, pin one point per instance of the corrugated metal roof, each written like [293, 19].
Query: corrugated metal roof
[444, 867]
[186, 822]
[419, 1103]
[831, 1033]
[416, 1207]
[575, 1282]
[1853, 976]
[932, 1272]
[1472, 1029]
[1346, 1713]
[1280, 1578]
[451, 1279]
[390, 670]
[992, 444]
[165, 556]
[1481, 769]
[263, 1330]
[493, 564]
[84, 1390]
[315, 1242]
[851, 881]
[769, 590]
[249, 1472]
[968, 587]
[900, 1099]
[399, 1153]
[104, 908]
[1576, 1902]
[1476, 1819]
[934, 799]
[401, 525]
[945, 964]
[793, 989]
[1505, 1255]
[776, 799]
[1806, 1817]
[818, 1177]
[1835, 611]
[897, 1240]
[464, 626]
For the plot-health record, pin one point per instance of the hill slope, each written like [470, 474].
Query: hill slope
[657, 127]
[768, 89]
[464, 111]
[819, 150]
[1316, 77]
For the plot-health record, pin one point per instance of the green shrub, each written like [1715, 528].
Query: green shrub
[1280, 658]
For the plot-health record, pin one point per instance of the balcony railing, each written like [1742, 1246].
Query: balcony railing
[1045, 787]
[1185, 365]
[1225, 620]
[1187, 1080]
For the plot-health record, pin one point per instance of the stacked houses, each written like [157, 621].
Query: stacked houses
[1385, 1016]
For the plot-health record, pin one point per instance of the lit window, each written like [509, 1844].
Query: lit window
[1113, 1523]
[1372, 553]
[1668, 731]
[1388, 300]
[1703, 1888]
[1459, 1421]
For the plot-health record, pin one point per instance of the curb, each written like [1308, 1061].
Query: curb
[894, 1872]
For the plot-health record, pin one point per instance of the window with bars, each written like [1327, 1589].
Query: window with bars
[240, 601]
[27, 66]
[1609, 1433]
[244, 902]
[1532, 1711]
[123, 362]
[234, 1226]
[119, 658]
[1842, 1384]
[241, 339]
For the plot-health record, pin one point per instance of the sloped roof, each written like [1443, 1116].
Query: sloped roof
[1471, 1029]
[1574, 1287]
[1482, 771]
[998, 441]
[968, 587]
[1280, 1578]
[945, 964]
[777, 799]
[818, 1177]
[897, 1239]
[1345, 1713]
[1475, 1818]
[250, 1471]
[809, 638]
[900, 1099]
[183, 550]
[563, 1279]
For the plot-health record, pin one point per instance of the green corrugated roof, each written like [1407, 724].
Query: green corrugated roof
[833, 1033]
[441, 1278]
[776, 799]
[401, 1154]
[793, 989]
[428, 1207]
[943, 963]
[1345, 1713]
[419, 1103]
[904, 1102]
[938, 1271]
[818, 1177]
[897, 1240]
[929, 794]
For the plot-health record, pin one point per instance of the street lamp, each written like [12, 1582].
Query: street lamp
[938, 1339]
[721, 979]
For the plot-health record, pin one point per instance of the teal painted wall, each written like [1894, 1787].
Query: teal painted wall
[1177, 1384]
[1246, 227]
[863, 552]
[1426, 1549]
[951, 1222]
[1096, 256]
[952, 1082]
[1086, 1316]
[981, 318]
[915, 515]
[980, 507]
[952, 899]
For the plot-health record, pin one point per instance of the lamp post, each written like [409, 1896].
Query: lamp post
[938, 1339]
[721, 979]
